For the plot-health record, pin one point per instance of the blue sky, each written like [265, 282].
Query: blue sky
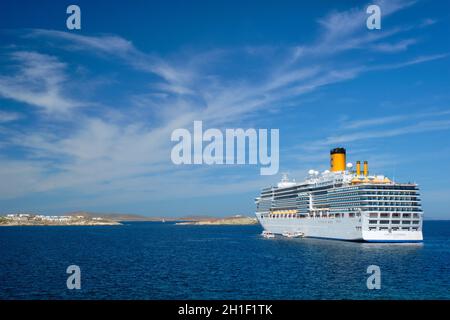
[86, 115]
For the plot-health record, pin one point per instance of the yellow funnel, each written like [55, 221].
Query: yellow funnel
[337, 159]
[366, 168]
[358, 168]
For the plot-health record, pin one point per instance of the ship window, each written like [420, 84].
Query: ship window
[373, 221]
[406, 222]
[384, 221]
[416, 222]
[395, 221]
[405, 228]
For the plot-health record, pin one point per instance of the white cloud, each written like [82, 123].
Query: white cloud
[112, 46]
[394, 47]
[346, 30]
[379, 121]
[427, 22]
[407, 63]
[423, 126]
[18, 177]
[6, 116]
[38, 81]
[356, 132]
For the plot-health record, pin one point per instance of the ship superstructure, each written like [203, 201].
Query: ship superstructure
[342, 203]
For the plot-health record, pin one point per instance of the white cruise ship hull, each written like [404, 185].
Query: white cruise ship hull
[317, 228]
[348, 229]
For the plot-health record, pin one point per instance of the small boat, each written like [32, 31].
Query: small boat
[293, 234]
[267, 234]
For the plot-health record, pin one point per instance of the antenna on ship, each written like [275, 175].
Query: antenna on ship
[393, 174]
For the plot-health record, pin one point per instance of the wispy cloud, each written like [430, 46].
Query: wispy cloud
[19, 177]
[379, 121]
[410, 62]
[353, 131]
[112, 46]
[394, 47]
[346, 30]
[6, 116]
[428, 22]
[38, 81]
[423, 126]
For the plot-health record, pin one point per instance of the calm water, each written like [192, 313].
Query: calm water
[148, 260]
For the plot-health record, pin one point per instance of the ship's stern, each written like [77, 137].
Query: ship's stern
[392, 236]
[388, 227]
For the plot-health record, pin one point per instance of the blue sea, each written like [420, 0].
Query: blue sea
[152, 260]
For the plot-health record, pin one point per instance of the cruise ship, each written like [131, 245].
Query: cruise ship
[343, 203]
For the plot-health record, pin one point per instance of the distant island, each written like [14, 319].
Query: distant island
[82, 218]
[26, 219]
[234, 220]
